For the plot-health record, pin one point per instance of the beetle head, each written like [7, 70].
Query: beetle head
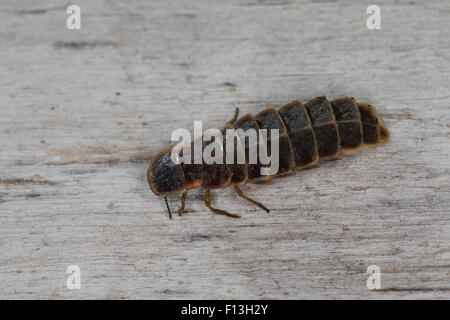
[164, 176]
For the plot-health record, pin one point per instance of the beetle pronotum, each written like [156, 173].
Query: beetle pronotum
[308, 134]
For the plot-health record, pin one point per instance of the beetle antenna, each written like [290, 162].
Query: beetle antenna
[168, 209]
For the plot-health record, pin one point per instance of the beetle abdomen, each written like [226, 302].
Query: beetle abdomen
[317, 131]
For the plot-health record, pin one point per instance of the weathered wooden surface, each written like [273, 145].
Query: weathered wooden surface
[83, 112]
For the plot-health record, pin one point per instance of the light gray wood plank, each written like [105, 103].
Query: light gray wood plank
[83, 112]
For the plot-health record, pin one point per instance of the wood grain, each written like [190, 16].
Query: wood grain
[83, 112]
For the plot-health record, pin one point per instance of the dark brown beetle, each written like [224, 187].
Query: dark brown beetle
[317, 131]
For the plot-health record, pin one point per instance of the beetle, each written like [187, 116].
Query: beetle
[309, 133]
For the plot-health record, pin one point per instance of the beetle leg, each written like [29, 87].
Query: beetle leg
[242, 195]
[218, 211]
[232, 121]
[183, 200]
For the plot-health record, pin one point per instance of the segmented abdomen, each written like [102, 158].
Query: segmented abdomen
[317, 131]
